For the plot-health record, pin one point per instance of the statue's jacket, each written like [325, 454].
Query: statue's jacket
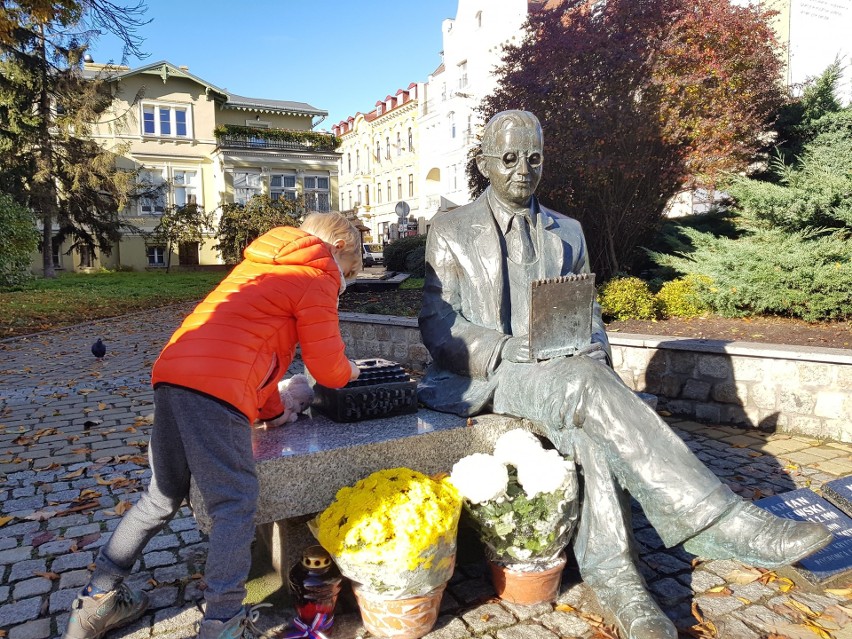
[465, 316]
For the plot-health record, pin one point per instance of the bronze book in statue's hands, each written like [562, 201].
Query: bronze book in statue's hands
[561, 315]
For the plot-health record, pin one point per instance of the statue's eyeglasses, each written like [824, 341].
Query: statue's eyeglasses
[510, 159]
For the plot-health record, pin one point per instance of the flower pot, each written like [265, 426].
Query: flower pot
[409, 618]
[527, 587]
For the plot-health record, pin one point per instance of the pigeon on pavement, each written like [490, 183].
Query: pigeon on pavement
[98, 349]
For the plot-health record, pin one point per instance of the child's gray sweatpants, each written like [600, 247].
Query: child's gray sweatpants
[194, 435]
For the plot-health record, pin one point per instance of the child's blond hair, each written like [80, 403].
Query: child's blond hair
[333, 226]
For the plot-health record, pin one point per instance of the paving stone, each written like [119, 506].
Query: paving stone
[61, 600]
[716, 607]
[702, 580]
[488, 618]
[168, 574]
[473, 590]
[446, 627]
[5, 591]
[158, 558]
[27, 569]
[74, 579]
[82, 531]
[170, 619]
[669, 591]
[735, 629]
[162, 597]
[162, 542]
[36, 629]
[8, 542]
[565, 624]
[31, 588]
[526, 631]
[762, 619]
[72, 561]
[14, 555]
[20, 611]
[527, 612]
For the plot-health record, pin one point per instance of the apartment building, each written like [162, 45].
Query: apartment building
[205, 146]
[379, 168]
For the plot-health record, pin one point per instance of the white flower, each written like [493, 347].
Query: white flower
[514, 446]
[543, 473]
[480, 477]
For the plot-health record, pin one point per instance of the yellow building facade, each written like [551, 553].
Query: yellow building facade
[199, 144]
[379, 165]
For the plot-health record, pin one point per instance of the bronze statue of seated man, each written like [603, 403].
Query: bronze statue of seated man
[481, 260]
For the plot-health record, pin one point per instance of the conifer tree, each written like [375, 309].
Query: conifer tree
[47, 110]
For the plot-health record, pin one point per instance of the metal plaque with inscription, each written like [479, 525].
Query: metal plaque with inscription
[805, 505]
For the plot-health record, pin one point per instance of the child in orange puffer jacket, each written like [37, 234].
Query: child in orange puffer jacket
[217, 375]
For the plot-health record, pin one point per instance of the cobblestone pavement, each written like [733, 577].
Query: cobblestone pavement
[73, 433]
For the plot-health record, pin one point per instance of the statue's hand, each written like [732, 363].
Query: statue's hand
[517, 349]
[595, 350]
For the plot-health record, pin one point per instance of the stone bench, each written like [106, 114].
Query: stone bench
[301, 466]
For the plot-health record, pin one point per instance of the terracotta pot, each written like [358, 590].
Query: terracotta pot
[399, 618]
[527, 587]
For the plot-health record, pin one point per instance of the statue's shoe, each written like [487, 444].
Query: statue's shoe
[636, 614]
[756, 537]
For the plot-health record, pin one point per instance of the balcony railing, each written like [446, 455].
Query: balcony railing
[238, 137]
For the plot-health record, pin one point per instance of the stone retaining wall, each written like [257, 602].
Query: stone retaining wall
[790, 389]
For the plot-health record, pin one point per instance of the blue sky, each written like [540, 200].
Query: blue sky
[337, 55]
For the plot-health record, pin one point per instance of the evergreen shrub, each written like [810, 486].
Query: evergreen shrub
[17, 241]
[407, 255]
[623, 298]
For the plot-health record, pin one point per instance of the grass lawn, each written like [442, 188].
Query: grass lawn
[72, 298]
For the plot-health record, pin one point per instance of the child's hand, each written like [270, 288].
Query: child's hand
[354, 371]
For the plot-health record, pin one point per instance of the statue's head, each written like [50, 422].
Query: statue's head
[511, 155]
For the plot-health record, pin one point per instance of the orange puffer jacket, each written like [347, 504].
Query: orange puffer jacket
[238, 343]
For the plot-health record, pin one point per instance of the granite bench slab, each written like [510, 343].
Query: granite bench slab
[301, 466]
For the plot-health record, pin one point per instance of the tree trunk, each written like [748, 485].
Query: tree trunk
[45, 187]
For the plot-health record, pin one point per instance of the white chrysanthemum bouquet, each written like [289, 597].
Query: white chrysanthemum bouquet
[522, 499]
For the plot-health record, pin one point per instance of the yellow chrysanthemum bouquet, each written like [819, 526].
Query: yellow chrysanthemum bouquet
[393, 532]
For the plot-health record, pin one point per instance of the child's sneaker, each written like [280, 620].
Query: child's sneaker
[93, 616]
[240, 626]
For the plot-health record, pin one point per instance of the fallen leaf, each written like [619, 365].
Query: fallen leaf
[565, 608]
[75, 473]
[122, 507]
[840, 592]
[41, 515]
[102, 406]
[47, 575]
[5, 520]
[743, 576]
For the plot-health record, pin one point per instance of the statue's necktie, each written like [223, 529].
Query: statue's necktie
[521, 246]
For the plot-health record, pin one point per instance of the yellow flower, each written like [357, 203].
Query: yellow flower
[391, 518]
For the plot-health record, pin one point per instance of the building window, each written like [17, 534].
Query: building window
[367, 195]
[387, 147]
[57, 260]
[398, 143]
[455, 177]
[317, 193]
[282, 186]
[188, 253]
[410, 185]
[452, 118]
[389, 191]
[443, 91]
[349, 162]
[86, 256]
[166, 120]
[399, 188]
[378, 194]
[246, 186]
[410, 140]
[379, 151]
[156, 255]
[478, 19]
[358, 201]
[357, 160]
[152, 187]
[463, 74]
[185, 187]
